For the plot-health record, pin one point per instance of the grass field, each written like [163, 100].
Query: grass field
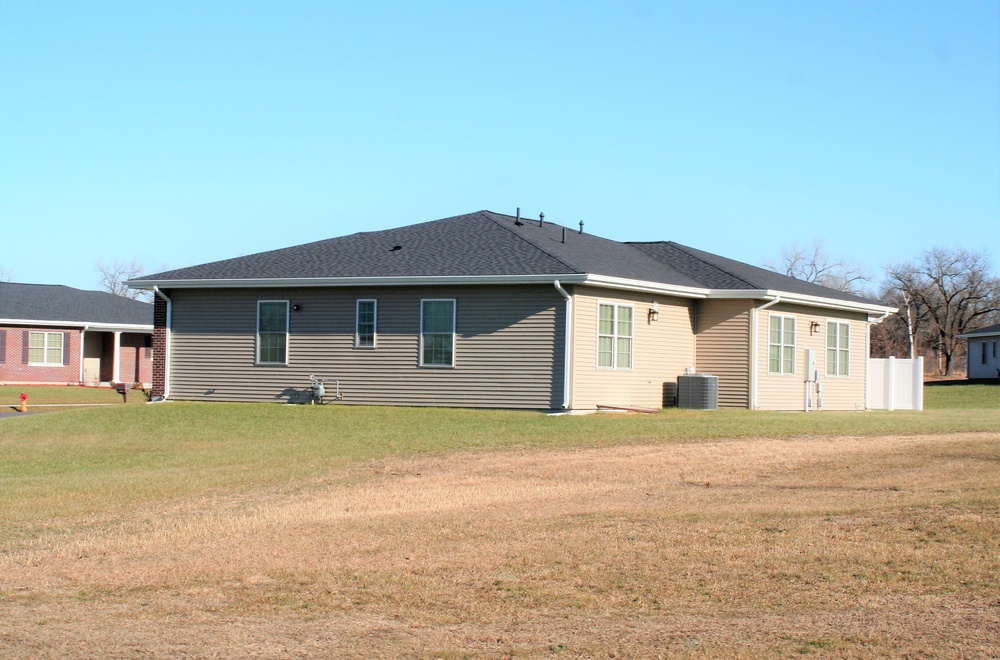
[267, 530]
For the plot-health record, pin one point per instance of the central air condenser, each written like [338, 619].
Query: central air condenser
[698, 391]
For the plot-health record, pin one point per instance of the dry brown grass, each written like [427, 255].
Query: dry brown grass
[845, 547]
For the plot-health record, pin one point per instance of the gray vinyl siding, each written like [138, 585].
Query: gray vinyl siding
[723, 343]
[508, 347]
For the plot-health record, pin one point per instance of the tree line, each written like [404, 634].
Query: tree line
[939, 295]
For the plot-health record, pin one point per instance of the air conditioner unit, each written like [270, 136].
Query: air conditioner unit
[698, 391]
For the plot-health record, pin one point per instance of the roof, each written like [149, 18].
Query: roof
[58, 304]
[728, 274]
[982, 332]
[491, 245]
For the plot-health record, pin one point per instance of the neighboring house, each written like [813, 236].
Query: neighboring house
[984, 355]
[53, 334]
[492, 310]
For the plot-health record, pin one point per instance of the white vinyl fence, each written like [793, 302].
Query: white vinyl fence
[896, 384]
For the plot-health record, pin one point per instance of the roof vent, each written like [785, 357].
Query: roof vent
[395, 248]
[517, 220]
[541, 219]
[581, 226]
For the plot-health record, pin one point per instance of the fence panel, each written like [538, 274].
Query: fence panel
[896, 384]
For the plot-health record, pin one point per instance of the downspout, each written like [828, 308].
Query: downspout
[868, 357]
[567, 353]
[754, 347]
[166, 351]
[83, 350]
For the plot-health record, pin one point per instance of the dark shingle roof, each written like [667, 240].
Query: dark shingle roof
[55, 302]
[988, 330]
[717, 272]
[492, 244]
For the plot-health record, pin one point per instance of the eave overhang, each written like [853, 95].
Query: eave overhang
[103, 327]
[288, 282]
[604, 281]
[977, 335]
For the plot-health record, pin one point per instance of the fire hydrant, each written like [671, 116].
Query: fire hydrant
[24, 402]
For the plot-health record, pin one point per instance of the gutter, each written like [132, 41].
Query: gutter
[567, 353]
[166, 351]
[755, 346]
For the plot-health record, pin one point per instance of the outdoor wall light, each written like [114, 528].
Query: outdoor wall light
[654, 311]
[296, 307]
[814, 327]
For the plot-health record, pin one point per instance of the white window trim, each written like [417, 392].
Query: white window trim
[357, 323]
[795, 342]
[614, 337]
[454, 343]
[826, 348]
[45, 349]
[287, 333]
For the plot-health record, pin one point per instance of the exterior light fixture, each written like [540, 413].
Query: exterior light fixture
[814, 327]
[654, 311]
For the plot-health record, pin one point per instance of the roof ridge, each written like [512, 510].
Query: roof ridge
[526, 239]
[686, 250]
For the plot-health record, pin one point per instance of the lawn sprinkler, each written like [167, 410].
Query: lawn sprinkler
[24, 403]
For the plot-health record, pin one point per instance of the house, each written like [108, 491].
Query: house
[53, 334]
[493, 310]
[984, 360]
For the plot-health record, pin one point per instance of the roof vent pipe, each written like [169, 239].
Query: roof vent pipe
[564, 235]
[581, 226]
[517, 220]
[541, 219]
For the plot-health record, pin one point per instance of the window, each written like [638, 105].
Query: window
[45, 348]
[364, 331]
[781, 347]
[838, 348]
[437, 333]
[272, 332]
[614, 336]
[983, 360]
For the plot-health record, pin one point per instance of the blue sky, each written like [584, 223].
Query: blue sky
[184, 132]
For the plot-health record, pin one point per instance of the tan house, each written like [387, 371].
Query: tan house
[492, 310]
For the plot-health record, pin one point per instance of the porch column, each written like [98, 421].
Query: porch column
[116, 375]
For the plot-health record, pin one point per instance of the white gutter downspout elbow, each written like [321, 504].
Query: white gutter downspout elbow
[567, 353]
[755, 348]
[166, 351]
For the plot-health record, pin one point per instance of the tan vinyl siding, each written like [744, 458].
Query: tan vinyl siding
[723, 345]
[508, 347]
[662, 350]
[787, 392]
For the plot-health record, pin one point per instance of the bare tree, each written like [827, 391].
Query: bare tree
[113, 276]
[948, 292]
[813, 264]
[904, 332]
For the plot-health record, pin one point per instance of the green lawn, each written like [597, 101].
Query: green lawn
[87, 460]
[46, 395]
